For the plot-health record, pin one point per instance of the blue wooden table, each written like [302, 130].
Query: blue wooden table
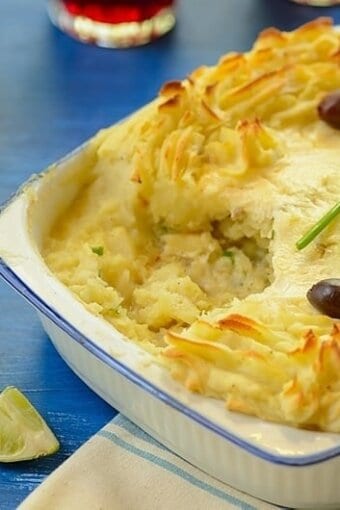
[54, 94]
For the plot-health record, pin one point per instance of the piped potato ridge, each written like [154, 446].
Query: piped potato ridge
[184, 237]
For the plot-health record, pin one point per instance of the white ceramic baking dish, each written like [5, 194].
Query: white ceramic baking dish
[289, 467]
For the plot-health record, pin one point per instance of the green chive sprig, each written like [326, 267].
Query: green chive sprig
[98, 250]
[230, 254]
[323, 222]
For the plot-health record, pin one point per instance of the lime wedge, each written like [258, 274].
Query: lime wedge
[23, 433]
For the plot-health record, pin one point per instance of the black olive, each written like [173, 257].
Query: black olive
[325, 297]
[329, 109]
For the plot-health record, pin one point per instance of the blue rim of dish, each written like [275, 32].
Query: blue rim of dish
[26, 292]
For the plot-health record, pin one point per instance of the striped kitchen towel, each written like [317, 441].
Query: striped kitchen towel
[122, 468]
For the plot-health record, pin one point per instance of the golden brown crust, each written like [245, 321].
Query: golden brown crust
[265, 375]
[171, 88]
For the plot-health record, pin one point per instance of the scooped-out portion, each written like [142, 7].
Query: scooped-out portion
[184, 236]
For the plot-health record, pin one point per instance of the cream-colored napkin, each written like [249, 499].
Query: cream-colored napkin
[122, 468]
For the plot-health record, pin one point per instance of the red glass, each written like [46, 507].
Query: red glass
[116, 11]
[113, 23]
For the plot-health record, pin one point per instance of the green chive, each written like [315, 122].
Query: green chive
[318, 227]
[98, 250]
[230, 254]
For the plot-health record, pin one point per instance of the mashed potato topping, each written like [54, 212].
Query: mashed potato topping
[184, 236]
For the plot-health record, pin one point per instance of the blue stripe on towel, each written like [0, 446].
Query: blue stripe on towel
[130, 427]
[172, 468]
